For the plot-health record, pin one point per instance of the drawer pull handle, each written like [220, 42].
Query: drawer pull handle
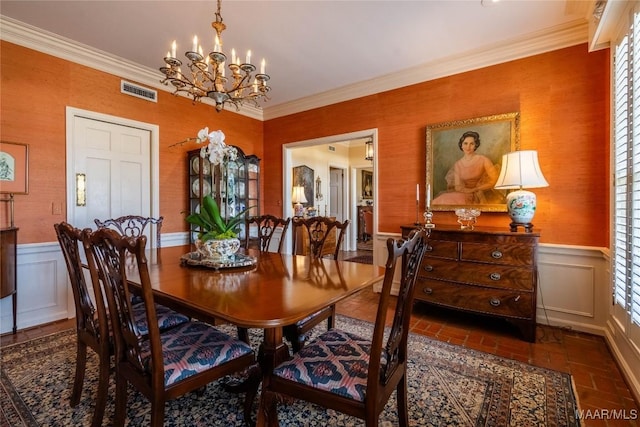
[496, 254]
[495, 302]
[427, 291]
[494, 276]
[429, 248]
[428, 267]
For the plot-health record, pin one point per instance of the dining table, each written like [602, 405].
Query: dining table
[266, 291]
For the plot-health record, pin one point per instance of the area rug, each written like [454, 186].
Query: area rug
[362, 259]
[448, 386]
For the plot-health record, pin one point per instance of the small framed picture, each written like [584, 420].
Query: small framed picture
[14, 168]
[464, 158]
[367, 184]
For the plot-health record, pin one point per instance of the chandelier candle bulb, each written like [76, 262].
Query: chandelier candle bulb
[418, 193]
[195, 44]
[234, 60]
[263, 66]
[248, 57]
[428, 196]
[173, 49]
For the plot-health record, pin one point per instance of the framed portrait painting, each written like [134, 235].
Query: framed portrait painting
[367, 184]
[14, 168]
[303, 176]
[464, 158]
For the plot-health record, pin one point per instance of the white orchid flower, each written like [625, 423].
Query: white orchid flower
[203, 135]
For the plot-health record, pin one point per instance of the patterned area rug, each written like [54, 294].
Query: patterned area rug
[448, 386]
[362, 259]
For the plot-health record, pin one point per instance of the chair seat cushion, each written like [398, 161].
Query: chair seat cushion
[193, 347]
[336, 361]
[167, 318]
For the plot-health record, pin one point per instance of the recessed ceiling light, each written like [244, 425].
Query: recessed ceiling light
[488, 3]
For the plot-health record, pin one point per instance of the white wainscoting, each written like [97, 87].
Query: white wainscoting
[44, 294]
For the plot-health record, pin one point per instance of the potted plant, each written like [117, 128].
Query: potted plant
[218, 237]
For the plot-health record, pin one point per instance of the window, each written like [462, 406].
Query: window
[626, 169]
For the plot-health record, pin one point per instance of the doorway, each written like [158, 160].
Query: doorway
[336, 194]
[119, 159]
[350, 193]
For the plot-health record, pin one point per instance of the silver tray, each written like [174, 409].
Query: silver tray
[234, 261]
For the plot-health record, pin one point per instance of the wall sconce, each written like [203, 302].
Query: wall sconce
[368, 149]
[520, 169]
[319, 195]
[81, 189]
[298, 198]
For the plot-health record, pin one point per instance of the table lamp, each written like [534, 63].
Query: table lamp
[298, 198]
[520, 169]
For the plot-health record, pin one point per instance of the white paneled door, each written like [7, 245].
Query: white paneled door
[116, 162]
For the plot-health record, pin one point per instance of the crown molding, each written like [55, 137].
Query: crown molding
[559, 37]
[35, 38]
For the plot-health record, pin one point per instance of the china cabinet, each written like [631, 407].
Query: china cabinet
[235, 186]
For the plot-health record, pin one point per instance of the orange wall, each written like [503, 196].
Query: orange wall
[36, 89]
[563, 100]
[562, 96]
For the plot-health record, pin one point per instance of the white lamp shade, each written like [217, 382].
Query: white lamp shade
[520, 169]
[297, 195]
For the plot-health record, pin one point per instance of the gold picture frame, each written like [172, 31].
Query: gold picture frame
[14, 168]
[457, 180]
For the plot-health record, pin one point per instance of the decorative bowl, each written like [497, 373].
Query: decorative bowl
[467, 218]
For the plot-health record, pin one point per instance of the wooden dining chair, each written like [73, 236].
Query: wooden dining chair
[92, 325]
[162, 365]
[92, 329]
[319, 232]
[133, 225]
[266, 226]
[350, 374]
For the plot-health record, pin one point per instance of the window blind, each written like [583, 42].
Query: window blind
[626, 168]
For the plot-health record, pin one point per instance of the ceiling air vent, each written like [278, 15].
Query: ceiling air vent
[138, 91]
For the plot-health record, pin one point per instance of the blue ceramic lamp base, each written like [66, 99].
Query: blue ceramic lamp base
[521, 205]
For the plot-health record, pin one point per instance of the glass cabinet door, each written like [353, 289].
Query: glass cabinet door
[235, 186]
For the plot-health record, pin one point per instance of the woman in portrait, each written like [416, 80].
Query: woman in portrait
[471, 178]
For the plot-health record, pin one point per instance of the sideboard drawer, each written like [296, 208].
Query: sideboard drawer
[442, 249]
[495, 276]
[510, 254]
[473, 298]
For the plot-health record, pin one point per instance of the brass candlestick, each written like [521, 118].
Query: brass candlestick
[428, 218]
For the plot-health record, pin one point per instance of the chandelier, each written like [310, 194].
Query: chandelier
[207, 74]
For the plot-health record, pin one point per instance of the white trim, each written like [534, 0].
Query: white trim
[569, 34]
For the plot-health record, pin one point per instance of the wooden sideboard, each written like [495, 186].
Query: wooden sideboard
[8, 257]
[362, 235]
[488, 271]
